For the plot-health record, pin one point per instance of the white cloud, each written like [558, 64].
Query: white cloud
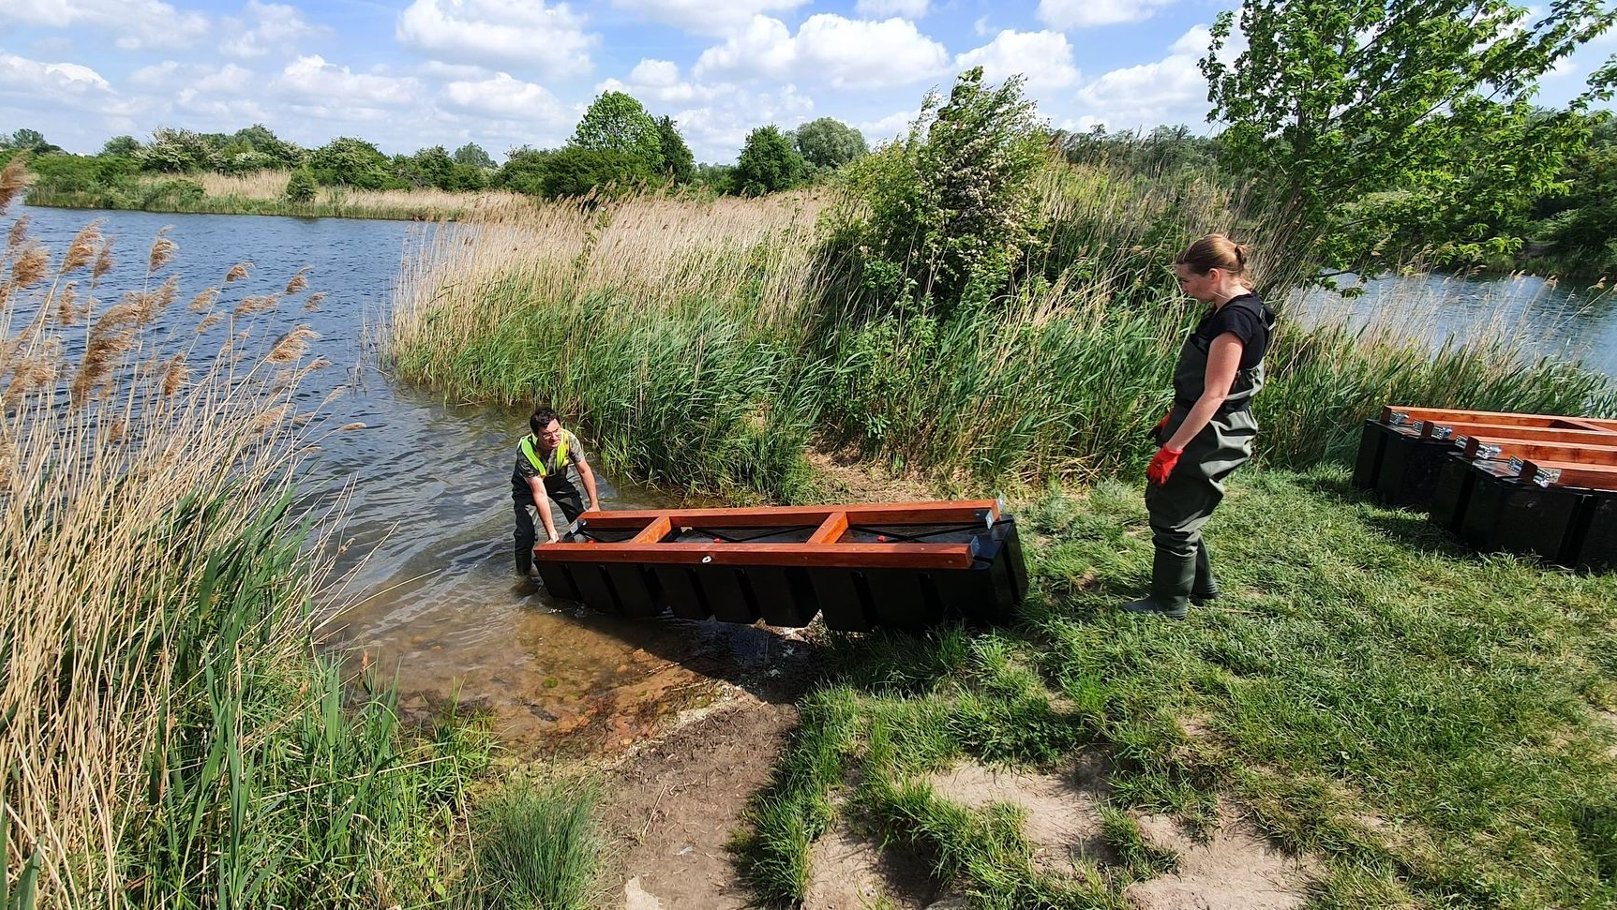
[1171, 90]
[881, 9]
[329, 87]
[706, 17]
[716, 132]
[265, 28]
[1070, 14]
[659, 80]
[509, 98]
[892, 126]
[56, 80]
[139, 24]
[526, 112]
[844, 53]
[461, 72]
[480, 32]
[1044, 57]
[173, 76]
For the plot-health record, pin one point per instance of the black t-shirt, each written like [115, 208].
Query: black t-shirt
[1247, 318]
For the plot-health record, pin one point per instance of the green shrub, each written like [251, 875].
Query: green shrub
[301, 187]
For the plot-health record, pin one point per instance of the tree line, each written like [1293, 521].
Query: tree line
[1372, 135]
[617, 146]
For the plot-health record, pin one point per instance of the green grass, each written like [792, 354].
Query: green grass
[1419, 717]
[536, 846]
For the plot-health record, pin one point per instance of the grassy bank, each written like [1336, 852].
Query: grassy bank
[704, 344]
[1435, 726]
[170, 737]
[264, 193]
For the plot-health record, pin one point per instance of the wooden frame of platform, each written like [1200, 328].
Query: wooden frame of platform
[1536, 484]
[862, 566]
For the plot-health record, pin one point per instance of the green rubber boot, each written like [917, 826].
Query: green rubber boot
[1205, 587]
[1171, 578]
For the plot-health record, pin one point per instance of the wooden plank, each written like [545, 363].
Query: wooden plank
[900, 513]
[654, 532]
[1543, 451]
[1445, 415]
[1583, 423]
[831, 530]
[1527, 434]
[845, 555]
[1573, 474]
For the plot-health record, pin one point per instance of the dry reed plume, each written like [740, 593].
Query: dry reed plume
[13, 180]
[96, 453]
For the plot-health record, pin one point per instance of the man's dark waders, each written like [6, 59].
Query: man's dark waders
[1182, 569]
[559, 489]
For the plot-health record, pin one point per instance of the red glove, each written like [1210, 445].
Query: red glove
[1162, 465]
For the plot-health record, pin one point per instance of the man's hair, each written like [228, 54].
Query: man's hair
[541, 418]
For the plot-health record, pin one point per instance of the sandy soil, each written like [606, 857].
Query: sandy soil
[673, 806]
[1234, 869]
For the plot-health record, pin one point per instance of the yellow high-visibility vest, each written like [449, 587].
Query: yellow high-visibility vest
[527, 446]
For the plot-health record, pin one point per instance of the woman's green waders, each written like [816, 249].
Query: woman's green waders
[1182, 570]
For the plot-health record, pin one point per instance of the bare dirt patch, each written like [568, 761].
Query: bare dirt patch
[1063, 821]
[849, 870]
[673, 805]
[1237, 868]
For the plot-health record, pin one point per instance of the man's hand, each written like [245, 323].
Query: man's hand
[554, 538]
[1162, 465]
[594, 506]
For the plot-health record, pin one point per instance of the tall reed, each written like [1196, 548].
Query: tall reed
[665, 327]
[169, 738]
[703, 345]
[264, 193]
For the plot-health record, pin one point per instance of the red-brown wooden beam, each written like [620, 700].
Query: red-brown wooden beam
[830, 530]
[1573, 474]
[1446, 415]
[900, 513]
[654, 532]
[843, 555]
[1536, 451]
[1526, 434]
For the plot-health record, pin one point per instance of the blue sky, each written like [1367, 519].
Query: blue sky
[407, 74]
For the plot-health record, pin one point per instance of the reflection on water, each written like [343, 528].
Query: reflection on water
[1540, 317]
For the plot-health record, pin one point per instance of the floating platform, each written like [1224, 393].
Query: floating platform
[1539, 485]
[861, 567]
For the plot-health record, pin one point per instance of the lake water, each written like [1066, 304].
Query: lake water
[1539, 316]
[436, 599]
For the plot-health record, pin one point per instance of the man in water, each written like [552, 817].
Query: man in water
[541, 483]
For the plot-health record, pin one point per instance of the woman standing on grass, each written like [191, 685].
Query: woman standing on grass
[1208, 431]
